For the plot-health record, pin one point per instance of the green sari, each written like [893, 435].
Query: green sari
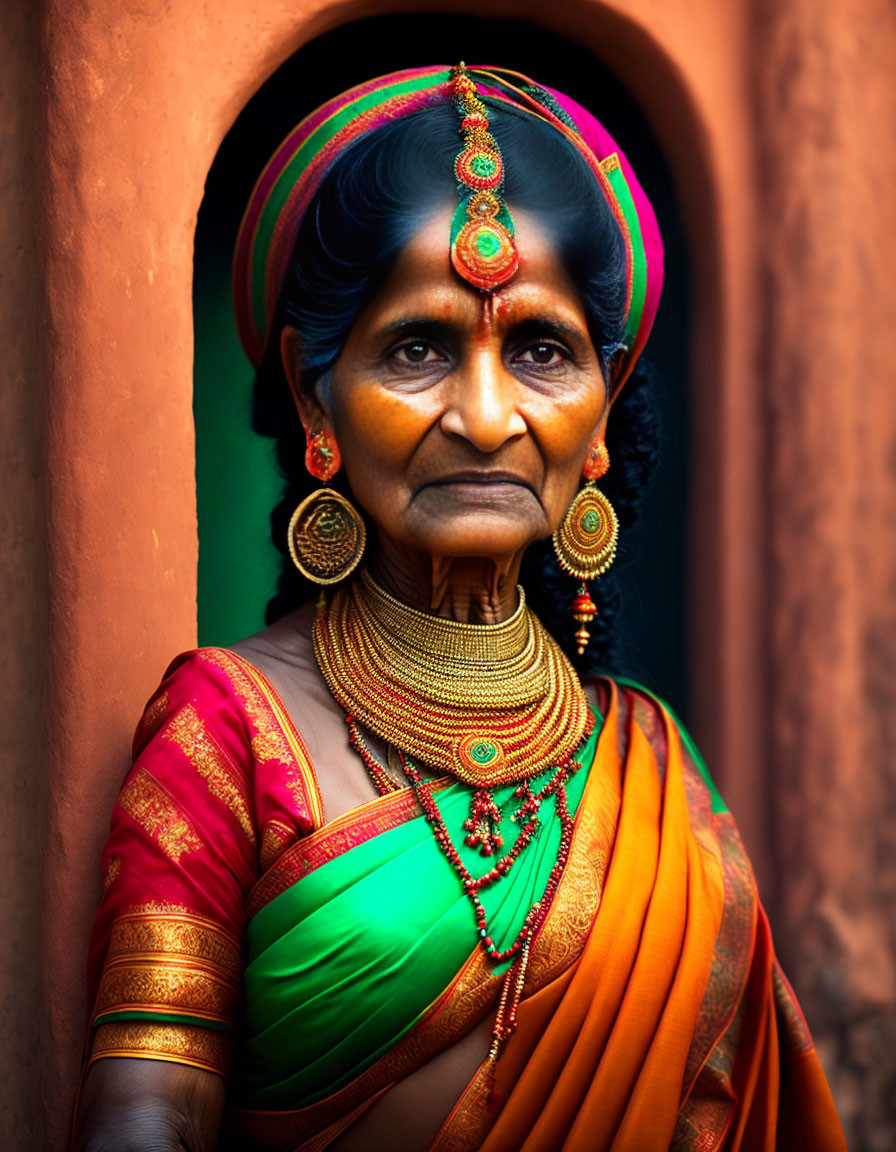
[362, 943]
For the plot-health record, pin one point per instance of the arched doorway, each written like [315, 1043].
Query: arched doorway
[128, 178]
[236, 479]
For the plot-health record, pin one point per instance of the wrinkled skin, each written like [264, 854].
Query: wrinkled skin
[463, 422]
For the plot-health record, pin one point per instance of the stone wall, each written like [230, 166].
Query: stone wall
[778, 119]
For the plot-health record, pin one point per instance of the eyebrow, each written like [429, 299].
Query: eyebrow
[426, 325]
[551, 324]
[415, 325]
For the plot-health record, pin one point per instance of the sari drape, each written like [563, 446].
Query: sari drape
[340, 955]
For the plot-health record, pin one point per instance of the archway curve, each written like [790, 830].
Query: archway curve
[165, 82]
[236, 479]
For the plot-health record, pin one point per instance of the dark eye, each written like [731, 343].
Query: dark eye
[543, 353]
[415, 352]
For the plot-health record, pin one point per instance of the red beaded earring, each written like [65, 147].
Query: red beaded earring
[597, 462]
[322, 457]
[326, 532]
[585, 542]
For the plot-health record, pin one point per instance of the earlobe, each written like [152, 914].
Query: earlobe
[599, 435]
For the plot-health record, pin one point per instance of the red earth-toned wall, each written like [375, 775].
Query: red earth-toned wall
[778, 118]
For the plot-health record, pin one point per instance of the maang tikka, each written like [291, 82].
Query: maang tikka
[585, 541]
[483, 250]
[326, 533]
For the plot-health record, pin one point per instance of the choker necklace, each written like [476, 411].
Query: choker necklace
[487, 703]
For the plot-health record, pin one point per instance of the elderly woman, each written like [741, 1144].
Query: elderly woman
[392, 874]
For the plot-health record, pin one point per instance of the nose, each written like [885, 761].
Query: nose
[482, 403]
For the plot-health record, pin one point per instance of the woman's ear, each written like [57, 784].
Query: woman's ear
[600, 429]
[311, 412]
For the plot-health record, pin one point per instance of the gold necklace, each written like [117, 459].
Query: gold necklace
[488, 703]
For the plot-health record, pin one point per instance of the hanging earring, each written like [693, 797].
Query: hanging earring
[585, 541]
[326, 533]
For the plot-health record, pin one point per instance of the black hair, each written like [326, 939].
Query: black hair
[374, 199]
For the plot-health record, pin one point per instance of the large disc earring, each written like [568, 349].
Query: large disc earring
[585, 541]
[326, 532]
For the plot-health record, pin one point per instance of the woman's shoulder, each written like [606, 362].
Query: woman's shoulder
[283, 652]
[229, 688]
[214, 704]
[211, 678]
[196, 684]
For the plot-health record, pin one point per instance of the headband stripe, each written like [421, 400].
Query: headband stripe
[289, 182]
[300, 195]
[616, 176]
[286, 177]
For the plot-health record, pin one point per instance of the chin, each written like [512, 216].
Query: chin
[486, 543]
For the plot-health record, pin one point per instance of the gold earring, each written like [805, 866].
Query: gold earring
[326, 532]
[585, 541]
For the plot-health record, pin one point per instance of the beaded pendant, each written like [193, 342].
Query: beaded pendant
[483, 250]
[481, 826]
[583, 611]
[482, 831]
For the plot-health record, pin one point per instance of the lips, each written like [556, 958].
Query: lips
[483, 477]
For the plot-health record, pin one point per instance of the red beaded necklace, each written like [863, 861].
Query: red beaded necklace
[487, 813]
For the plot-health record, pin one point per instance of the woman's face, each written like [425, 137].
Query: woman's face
[463, 421]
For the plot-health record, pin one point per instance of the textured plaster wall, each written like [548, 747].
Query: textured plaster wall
[778, 119]
[826, 100]
[23, 567]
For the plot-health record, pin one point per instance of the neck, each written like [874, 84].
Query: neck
[470, 589]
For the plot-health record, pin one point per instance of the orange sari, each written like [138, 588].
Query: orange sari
[674, 1028]
[654, 1014]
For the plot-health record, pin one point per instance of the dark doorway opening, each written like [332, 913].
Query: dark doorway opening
[237, 483]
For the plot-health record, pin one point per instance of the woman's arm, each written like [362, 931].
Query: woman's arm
[148, 1106]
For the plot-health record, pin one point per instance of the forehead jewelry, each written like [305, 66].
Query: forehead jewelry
[483, 250]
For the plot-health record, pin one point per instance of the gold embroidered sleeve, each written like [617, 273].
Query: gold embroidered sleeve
[150, 804]
[170, 989]
[177, 1043]
[189, 732]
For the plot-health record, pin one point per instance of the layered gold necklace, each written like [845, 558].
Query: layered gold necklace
[488, 703]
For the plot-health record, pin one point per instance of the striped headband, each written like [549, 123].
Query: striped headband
[295, 172]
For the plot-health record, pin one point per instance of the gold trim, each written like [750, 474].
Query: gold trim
[188, 731]
[145, 800]
[199, 1047]
[160, 908]
[280, 741]
[372, 818]
[276, 837]
[193, 991]
[149, 933]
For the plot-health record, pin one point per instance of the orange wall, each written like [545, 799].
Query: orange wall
[778, 119]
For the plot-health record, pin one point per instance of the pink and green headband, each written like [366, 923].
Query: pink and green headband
[482, 246]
